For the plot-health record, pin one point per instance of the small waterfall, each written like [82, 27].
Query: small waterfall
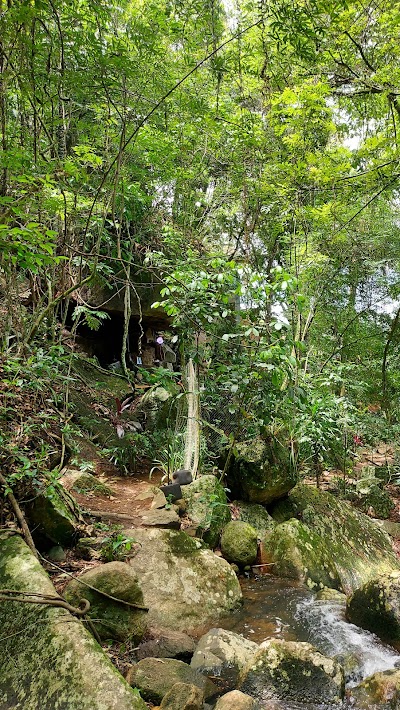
[360, 652]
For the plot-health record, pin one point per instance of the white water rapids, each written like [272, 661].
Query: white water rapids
[277, 608]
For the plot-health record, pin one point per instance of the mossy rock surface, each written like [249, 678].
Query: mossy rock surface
[239, 543]
[376, 502]
[236, 700]
[260, 471]
[381, 690]
[221, 655]
[376, 607]
[185, 585]
[299, 553]
[155, 677]
[256, 515]
[48, 659]
[183, 696]
[359, 548]
[55, 516]
[292, 671]
[207, 507]
[113, 619]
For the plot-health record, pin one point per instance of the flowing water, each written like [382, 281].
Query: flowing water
[276, 608]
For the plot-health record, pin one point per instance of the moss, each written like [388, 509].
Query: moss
[207, 507]
[47, 659]
[359, 548]
[182, 545]
[239, 542]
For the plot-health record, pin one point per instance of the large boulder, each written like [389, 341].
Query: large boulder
[158, 407]
[185, 585]
[294, 671]
[155, 677]
[256, 515]
[358, 548]
[376, 607]
[113, 619]
[297, 552]
[47, 658]
[207, 507]
[260, 471]
[222, 655]
[183, 696]
[381, 690]
[239, 543]
[55, 516]
[236, 700]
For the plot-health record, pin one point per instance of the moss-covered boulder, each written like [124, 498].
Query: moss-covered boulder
[256, 515]
[297, 552]
[375, 502]
[207, 508]
[239, 543]
[55, 516]
[166, 643]
[183, 696]
[114, 620]
[260, 471]
[83, 482]
[359, 549]
[381, 690]
[185, 585]
[376, 607]
[222, 655]
[292, 671]
[155, 677]
[47, 658]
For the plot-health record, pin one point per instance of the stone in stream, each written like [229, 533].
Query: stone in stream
[357, 548]
[236, 700]
[185, 585]
[114, 620]
[381, 690]
[260, 471]
[239, 543]
[298, 552]
[376, 607]
[48, 659]
[183, 696]
[155, 677]
[295, 671]
[222, 655]
[207, 507]
[256, 515]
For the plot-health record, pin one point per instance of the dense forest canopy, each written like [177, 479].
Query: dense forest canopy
[245, 157]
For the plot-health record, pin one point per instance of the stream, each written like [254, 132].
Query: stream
[277, 608]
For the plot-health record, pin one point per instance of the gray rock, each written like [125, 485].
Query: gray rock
[155, 677]
[223, 654]
[239, 543]
[56, 516]
[260, 471]
[113, 619]
[166, 643]
[358, 548]
[297, 552]
[236, 700]
[207, 507]
[295, 671]
[48, 660]
[381, 690]
[376, 607]
[183, 696]
[185, 585]
[162, 518]
[256, 516]
[57, 554]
